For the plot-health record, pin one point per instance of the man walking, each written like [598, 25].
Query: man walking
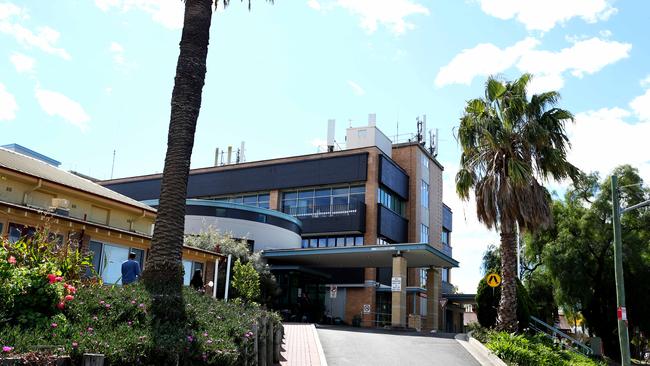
[130, 270]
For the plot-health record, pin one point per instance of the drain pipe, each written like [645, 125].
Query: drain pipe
[26, 194]
[225, 297]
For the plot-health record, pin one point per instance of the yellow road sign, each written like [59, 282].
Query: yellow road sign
[493, 279]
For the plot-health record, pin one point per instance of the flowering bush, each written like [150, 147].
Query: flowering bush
[37, 278]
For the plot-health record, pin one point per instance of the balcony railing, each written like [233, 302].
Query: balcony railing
[353, 208]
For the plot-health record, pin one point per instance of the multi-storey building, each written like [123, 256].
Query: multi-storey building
[375, 234]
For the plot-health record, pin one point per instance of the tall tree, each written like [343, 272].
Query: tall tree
[163, 276]
[509, 144]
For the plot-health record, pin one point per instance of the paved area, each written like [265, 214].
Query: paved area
[355, 347]
[300, 345]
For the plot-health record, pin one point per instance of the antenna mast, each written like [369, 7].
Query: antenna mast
[113, 165]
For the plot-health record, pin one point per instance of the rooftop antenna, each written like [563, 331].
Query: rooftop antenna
[113, 165]
[242, 155]
[216, 157]
[331, 125]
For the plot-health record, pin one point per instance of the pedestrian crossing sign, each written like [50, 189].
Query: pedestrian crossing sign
[493, 279]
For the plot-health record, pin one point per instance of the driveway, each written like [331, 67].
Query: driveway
[355, 347]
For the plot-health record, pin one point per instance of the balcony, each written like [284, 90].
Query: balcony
[446, 249]
[338, 218]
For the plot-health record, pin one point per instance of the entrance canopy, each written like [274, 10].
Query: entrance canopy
[416, 255]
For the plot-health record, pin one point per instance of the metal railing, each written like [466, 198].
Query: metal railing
[556, 334]
[325, 210]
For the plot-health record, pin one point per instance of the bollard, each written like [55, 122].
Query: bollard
[269, 342]
[277, 343]
[261, 355]
[91, 359]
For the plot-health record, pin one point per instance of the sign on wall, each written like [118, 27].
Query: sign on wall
[366, 308]
[333, 291]
[396, 284]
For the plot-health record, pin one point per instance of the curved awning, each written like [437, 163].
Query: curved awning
[416, 254]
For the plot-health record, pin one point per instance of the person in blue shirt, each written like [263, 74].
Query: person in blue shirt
[130, 270]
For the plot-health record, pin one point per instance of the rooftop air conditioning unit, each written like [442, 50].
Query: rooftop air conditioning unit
[60, 206]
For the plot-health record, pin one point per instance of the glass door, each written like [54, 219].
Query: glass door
[113, 257]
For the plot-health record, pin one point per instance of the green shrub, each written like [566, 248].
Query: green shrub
[116, 322]
[246, 281]
[38, 277]
[487, 303]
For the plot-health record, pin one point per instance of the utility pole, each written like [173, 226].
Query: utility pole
[618, 272]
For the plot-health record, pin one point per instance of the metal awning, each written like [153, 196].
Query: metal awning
[416, 254]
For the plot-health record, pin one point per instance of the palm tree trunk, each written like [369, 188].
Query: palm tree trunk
[163, 276]
[507, 314]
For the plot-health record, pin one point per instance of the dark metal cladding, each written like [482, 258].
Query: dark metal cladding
[391, 225]
[393, 177]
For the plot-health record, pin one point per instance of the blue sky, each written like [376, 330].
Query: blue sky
[79, 79]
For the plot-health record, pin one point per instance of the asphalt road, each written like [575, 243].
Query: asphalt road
[353, 347]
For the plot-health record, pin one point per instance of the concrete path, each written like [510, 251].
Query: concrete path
[301, 346]
[356, 347]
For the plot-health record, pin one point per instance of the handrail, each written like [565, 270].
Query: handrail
[325, 210]
[556, 332]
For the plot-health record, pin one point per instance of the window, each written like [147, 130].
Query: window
[322, 200]
[383, 241]
[2, 226]
[445, 275]
[445, 237]
[107, 259]
[423, 277]
[260, 199]
[17, 231]
[189, 267]
[424, 233]
[425, 161]
[424, 194]
[332, 241]
[391, 201]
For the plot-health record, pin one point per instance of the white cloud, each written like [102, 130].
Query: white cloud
[641, 106]
[169, 13]
[57, 104]
[602, 140]
[549, 67]
[314, 5]
[118, 53]
[8, 105]
[645, 82]
[391, 14]
[544, 15]
[22, 63]
[465, 66]
[358, 90]
[44, 38]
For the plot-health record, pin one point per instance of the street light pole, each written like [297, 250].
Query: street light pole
[618, 272]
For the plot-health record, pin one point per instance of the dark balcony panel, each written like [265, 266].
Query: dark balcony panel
[345, 275]
[391, 225]
[329, 170]
[447, 288]
[334, 221]
[446, 249]
[393, 177]
[447, 216]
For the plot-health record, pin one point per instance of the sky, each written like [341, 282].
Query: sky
[82, 79]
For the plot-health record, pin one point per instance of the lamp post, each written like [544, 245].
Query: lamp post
[623, 337]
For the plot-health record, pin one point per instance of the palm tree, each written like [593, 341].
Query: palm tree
[509, 144]
[163, 276]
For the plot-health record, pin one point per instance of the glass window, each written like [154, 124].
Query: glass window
[357, 189]
[324, 192]
[305, 243]
[250, 200]
[331, 242]
[199, 266]
[424, 194]
[425, 161]
[264, 204]
[139, 257]
[340, 202]
[1, 228]
[322, 242]
[391, 201]
[112, 259]
[445, 237]
[264, 197]
[358, 240]
[95, 252]
[340, 191]
[289, 195]
[187, 275]
[238, 200]
[349, 241]
[313, 243]
[16, 231]
[445, 274]
[424, 233]
[322, 204]
[306, 194]
[340, 242]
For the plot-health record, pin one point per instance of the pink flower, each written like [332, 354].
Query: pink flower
[60, 305]
[209, 341]
[54, 325]
[90, 329]
[69, 298]
[108, 306]
[51, 278]
[7, 349]
[190, 338]
[94, 317]
[132, 302]
[75, 344]
[11, 260]
[205, 334]
[129, 323]
[71, 289]
[58, 278]
[141, 306]
[101, 302]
